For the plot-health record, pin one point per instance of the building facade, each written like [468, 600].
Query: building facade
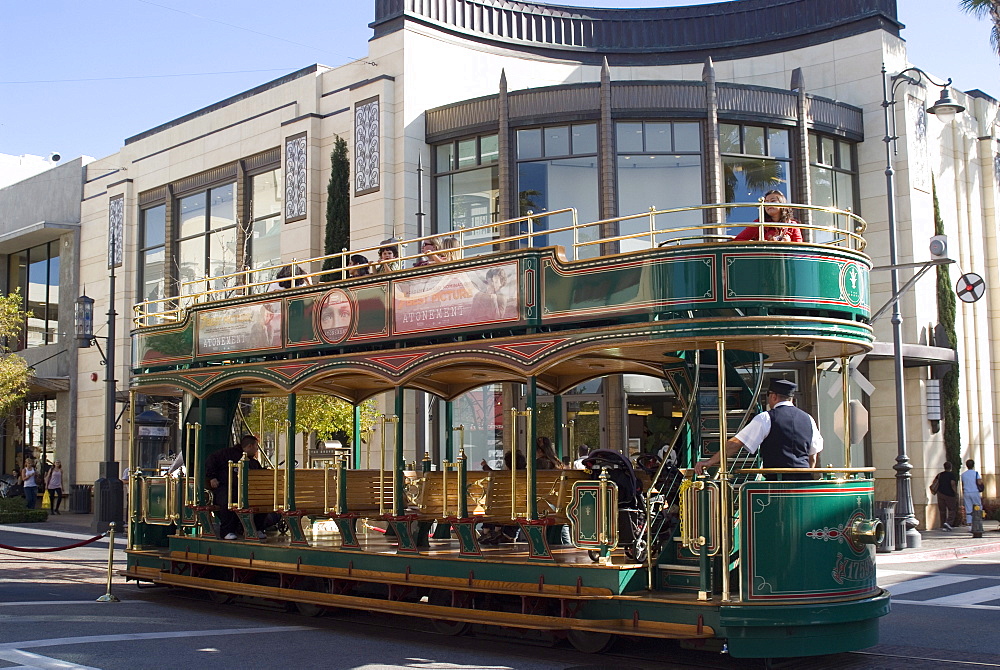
[470, 112]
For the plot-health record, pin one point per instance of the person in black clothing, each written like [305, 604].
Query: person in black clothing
[786, 436]
[947, 497]
[217, 473]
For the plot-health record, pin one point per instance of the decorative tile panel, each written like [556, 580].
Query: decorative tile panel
[116, 231]
[366, 147]
[295, 178]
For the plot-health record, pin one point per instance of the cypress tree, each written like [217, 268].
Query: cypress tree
[946, 306]
[338, 206]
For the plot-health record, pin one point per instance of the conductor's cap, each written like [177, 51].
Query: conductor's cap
[782, 387]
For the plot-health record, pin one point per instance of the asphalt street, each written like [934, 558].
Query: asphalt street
[49, 619]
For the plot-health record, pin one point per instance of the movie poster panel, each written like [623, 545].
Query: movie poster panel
[335, 316]
[484, 295]
[241, 328]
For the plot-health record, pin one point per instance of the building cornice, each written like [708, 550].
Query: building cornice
[681, 34]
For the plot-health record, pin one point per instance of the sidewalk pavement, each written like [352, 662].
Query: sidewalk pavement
[938, 545]
[935, 545]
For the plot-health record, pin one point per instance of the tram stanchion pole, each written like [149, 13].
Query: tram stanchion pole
[109, 597]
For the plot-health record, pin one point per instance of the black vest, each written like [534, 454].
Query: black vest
[787, 445]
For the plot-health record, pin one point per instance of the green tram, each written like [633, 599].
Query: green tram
[738, 561]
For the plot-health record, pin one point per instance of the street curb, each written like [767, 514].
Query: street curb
[939, 554]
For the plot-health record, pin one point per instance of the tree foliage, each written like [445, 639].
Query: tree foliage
[338, 205]
[946, 306]
[324, 415]
[14, 371]
[983, 9]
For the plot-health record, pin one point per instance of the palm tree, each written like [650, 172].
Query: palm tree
[981, 9]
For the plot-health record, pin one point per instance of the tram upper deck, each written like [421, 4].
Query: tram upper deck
[613, 299]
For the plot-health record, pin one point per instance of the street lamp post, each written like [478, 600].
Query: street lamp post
[945, 109]
[109, 499]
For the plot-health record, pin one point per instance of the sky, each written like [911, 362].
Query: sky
[79, 77]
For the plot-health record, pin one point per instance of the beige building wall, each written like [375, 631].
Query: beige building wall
[419, 68]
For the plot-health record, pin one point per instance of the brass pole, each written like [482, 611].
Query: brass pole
[108, 597]
[381, 471]
[133, 492]
[274, 464]
[513, 460]
[196, 469]
[846, 381]
[725, 516]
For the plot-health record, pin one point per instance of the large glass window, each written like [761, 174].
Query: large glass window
[35, 272]
[659, 166]
[833, 176]
[755, 160]
[264, 247]
[467, 185]
[557, 168]
[206, 244]
[152, 254]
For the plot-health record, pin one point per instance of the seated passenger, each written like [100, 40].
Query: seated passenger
[493, 533]
[357, 266]
[284, 278]
[388, 257]
[448, 252]
[785, 231]
[429, 249]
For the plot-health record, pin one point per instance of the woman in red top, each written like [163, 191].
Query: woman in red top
[785, 231]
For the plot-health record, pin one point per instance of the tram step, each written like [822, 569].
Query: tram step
[680, 577]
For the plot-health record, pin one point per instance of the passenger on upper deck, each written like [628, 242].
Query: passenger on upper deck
[449, 251]
[785, 232]
[388, 257]
[786, 436]
[357, 266]
[284, 278]
[429, 249]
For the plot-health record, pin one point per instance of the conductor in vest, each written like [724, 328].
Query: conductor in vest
[786, 436]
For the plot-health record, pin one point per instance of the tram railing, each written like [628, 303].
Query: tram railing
[641, 231]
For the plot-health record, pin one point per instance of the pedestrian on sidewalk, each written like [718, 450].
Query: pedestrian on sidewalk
[972, 488]
[29, 481]
[53, 484]
[947, 497]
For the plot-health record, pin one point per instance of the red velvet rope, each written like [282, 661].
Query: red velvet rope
[68, 546]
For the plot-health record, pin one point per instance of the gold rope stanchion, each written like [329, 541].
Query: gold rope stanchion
[108, 597]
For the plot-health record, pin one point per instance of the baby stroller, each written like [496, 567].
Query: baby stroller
[10, 487]
[631, 503]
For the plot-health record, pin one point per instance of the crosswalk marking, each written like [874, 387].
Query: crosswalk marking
[926, 583]
[969, 597]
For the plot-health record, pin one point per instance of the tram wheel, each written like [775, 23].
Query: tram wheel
[446, 626]
[220, 598]
[315, 585]
[595, 556]
[590, 643]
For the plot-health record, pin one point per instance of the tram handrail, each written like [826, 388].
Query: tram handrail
[779, 471]
[847, 230]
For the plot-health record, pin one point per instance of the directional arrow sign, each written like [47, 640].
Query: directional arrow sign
[970, 287]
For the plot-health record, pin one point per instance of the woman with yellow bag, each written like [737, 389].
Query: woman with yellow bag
[53, 486]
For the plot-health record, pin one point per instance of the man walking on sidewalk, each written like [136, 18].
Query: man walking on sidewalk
[947, 497]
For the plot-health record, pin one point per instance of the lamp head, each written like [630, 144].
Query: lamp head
[945, 108]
